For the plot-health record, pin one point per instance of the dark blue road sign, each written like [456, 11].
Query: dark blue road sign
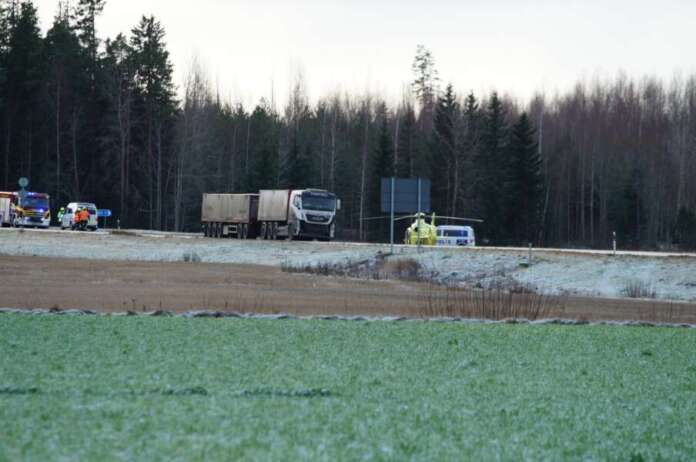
[405, 195]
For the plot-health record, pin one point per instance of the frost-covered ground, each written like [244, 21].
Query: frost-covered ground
[578, 272]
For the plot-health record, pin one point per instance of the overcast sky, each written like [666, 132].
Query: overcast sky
[514, 46]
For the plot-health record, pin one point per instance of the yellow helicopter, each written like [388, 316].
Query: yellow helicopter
[423, 233]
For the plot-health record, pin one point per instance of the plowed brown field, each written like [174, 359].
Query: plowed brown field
[37, 282]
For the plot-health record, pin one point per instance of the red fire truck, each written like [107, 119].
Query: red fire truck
[27, 209]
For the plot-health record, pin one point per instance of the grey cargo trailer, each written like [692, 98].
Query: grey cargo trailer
[227, 215]
[273, 205]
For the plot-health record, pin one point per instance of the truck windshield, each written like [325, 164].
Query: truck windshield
[321, 202]
[35, 203]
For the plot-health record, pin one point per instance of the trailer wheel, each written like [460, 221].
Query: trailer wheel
[218, 230]
[274, 232]
[263, 230]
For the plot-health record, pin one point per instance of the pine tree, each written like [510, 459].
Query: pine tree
[469, 135]
[86, 14]
[524, 186]
[407, 141]
[425, 86]
[491, 167]
[265, 149]
[444, 148]
[153, 78]
[382, 167]
[65, 86]
[119, 94]
[24, 69]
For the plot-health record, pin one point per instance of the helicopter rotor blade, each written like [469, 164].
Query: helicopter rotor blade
[475, 220]
[375, 218]
[386, 217]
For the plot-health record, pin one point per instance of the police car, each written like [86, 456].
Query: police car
[456, 235]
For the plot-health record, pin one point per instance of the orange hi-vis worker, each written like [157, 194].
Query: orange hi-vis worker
[84, 215]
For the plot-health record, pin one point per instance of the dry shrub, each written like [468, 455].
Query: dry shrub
[406, 269]
[638, 289]
[380, 268]
[122, 232]
[496, 304]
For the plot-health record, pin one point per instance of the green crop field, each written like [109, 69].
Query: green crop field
[143, 388]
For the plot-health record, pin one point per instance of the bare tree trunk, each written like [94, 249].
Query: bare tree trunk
[332, 167]
[8, 144]
[57, 196]
[233, 156]
[75, 120]
[246, 158]
[178, 195]
[363, 169]
[158, 215]
[150, 156]
[397, 121]
[455, 189]
[322, 150]
[30, 147]
[122, 153]
[592, 196]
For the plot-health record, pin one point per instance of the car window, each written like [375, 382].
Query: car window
[69, 210]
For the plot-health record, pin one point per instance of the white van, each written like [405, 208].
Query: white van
[456, 235]
[69, 215]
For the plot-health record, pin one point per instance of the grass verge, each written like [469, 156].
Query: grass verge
[132, 388]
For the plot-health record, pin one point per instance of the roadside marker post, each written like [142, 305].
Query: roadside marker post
[418, 217]
[391, 230]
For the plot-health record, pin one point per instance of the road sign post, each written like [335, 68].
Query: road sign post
[105, 214]
[418, 217]
[404, 195]
[391, 230]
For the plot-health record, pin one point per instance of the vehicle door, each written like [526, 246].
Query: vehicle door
[92, 221]
[66, 222]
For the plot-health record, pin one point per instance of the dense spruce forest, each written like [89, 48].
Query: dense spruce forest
[100, 119]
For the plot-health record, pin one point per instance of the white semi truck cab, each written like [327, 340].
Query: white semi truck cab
[298, 213]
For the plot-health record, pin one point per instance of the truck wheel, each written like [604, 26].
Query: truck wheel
[274, 232]
[291, 232]
[218, 230]
[263, 230]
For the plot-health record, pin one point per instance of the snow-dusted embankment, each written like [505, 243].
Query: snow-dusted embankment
[582, 273]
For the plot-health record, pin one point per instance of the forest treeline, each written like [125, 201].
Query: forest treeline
[101, 120]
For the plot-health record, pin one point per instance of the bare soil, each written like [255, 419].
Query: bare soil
[108, 286]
